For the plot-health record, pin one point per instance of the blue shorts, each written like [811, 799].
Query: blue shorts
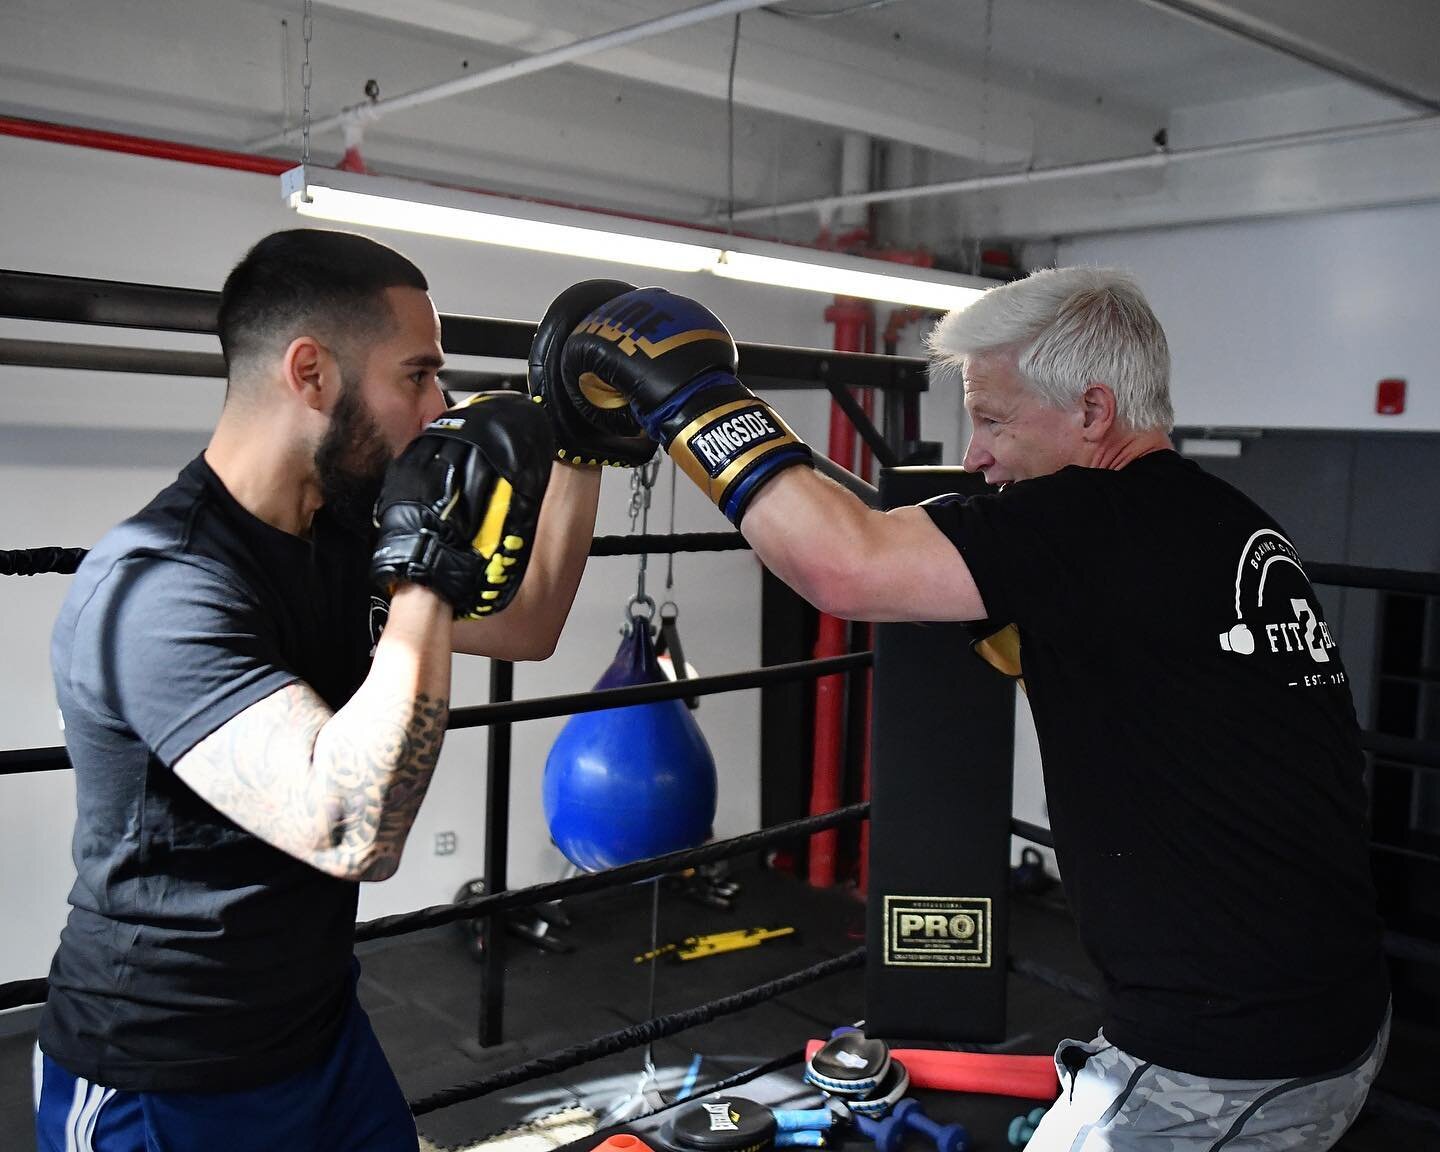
[348, 1101]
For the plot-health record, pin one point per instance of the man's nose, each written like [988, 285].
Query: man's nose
[435, 406]
[977, 457]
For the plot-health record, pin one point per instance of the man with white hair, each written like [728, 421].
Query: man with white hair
[1201, 753]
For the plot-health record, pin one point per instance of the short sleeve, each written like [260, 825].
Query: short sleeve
[1030, 548]
[172, 650]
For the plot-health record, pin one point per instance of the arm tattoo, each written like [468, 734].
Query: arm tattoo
[374, 778]
[339, 791]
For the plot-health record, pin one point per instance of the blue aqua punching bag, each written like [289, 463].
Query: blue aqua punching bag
[626, 784]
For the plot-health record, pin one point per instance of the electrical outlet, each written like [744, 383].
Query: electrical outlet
[445, 843]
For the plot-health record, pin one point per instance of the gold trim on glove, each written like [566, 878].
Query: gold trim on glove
[689, 463]
[624, 339]
[599, 393]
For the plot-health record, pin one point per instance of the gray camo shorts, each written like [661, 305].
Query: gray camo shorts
[1117, 1103]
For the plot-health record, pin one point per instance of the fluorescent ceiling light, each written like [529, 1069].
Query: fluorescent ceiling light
[379, 202]
[841, 281]
[511, 231]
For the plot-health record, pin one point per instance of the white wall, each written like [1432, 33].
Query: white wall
[79, 452]
[1290, 323]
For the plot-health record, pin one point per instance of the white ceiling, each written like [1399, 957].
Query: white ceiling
[945, 90]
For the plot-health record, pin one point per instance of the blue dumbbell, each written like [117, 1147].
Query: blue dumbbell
[945, 1137]
[887, 1135]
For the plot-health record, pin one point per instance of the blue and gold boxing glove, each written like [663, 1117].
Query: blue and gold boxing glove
[586, 435]
[674, 363]
[460, 505]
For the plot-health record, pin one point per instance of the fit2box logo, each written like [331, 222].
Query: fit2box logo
[937, 931]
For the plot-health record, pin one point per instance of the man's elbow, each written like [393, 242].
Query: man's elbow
[355, 867]
[837, 589]
[356, 849]
[529, 645]
[533, 654]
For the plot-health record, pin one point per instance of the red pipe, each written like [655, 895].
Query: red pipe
[850, 318]
[274, 166]
[142, 146]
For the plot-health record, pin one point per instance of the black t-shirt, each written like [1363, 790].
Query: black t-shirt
[196, 956]
[1201, 762]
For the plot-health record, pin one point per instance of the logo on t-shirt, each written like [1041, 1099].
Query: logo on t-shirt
[1277, 614]
[379, 613]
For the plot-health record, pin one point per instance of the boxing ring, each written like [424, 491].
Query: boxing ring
[29, 296]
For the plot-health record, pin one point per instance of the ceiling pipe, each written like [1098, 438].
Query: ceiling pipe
[1205, 14]
[855, 178]
[372, 110]
[1160, 158]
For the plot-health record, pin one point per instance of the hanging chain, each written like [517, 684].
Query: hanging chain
[642, 485]
[985, 80]
[670, 556]
[984, 150]
[307, 30]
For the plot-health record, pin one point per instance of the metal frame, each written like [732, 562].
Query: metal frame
[122, 304]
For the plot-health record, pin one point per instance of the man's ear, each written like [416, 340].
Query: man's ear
[1097, 405]
[308, 370]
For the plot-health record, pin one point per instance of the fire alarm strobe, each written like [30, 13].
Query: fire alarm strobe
[1390, 397]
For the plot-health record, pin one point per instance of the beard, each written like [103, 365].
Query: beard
[351, 460]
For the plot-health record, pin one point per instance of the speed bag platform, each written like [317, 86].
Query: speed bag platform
[940, 803]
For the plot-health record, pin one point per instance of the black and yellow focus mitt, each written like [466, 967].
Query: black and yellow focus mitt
[460, 505]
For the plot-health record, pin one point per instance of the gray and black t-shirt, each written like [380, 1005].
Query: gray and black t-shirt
[1201, 761]
[196, 956]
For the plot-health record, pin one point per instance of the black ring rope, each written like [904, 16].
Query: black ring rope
[1376, 579]
[64, 561]
[34, 561]
[594, 701]
[1405, 947]
[16, 761]
[19, 993]
[1394, 749]
[22, 992]
[1043, 974]
[663, 544]
[1423, 753]
[744, 1076]
[779, 1064]
[637, 1034]
[1035, 833]
[489, 905]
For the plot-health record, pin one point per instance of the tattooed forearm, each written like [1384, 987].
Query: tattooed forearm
[374, 777]
[339, 791]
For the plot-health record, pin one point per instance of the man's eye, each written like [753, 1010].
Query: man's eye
[420, 378]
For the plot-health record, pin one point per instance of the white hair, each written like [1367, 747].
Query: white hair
[1070, 328]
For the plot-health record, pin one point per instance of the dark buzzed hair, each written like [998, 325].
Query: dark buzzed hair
[309, 281]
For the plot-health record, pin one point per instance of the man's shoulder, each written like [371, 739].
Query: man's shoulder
[164, 539]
